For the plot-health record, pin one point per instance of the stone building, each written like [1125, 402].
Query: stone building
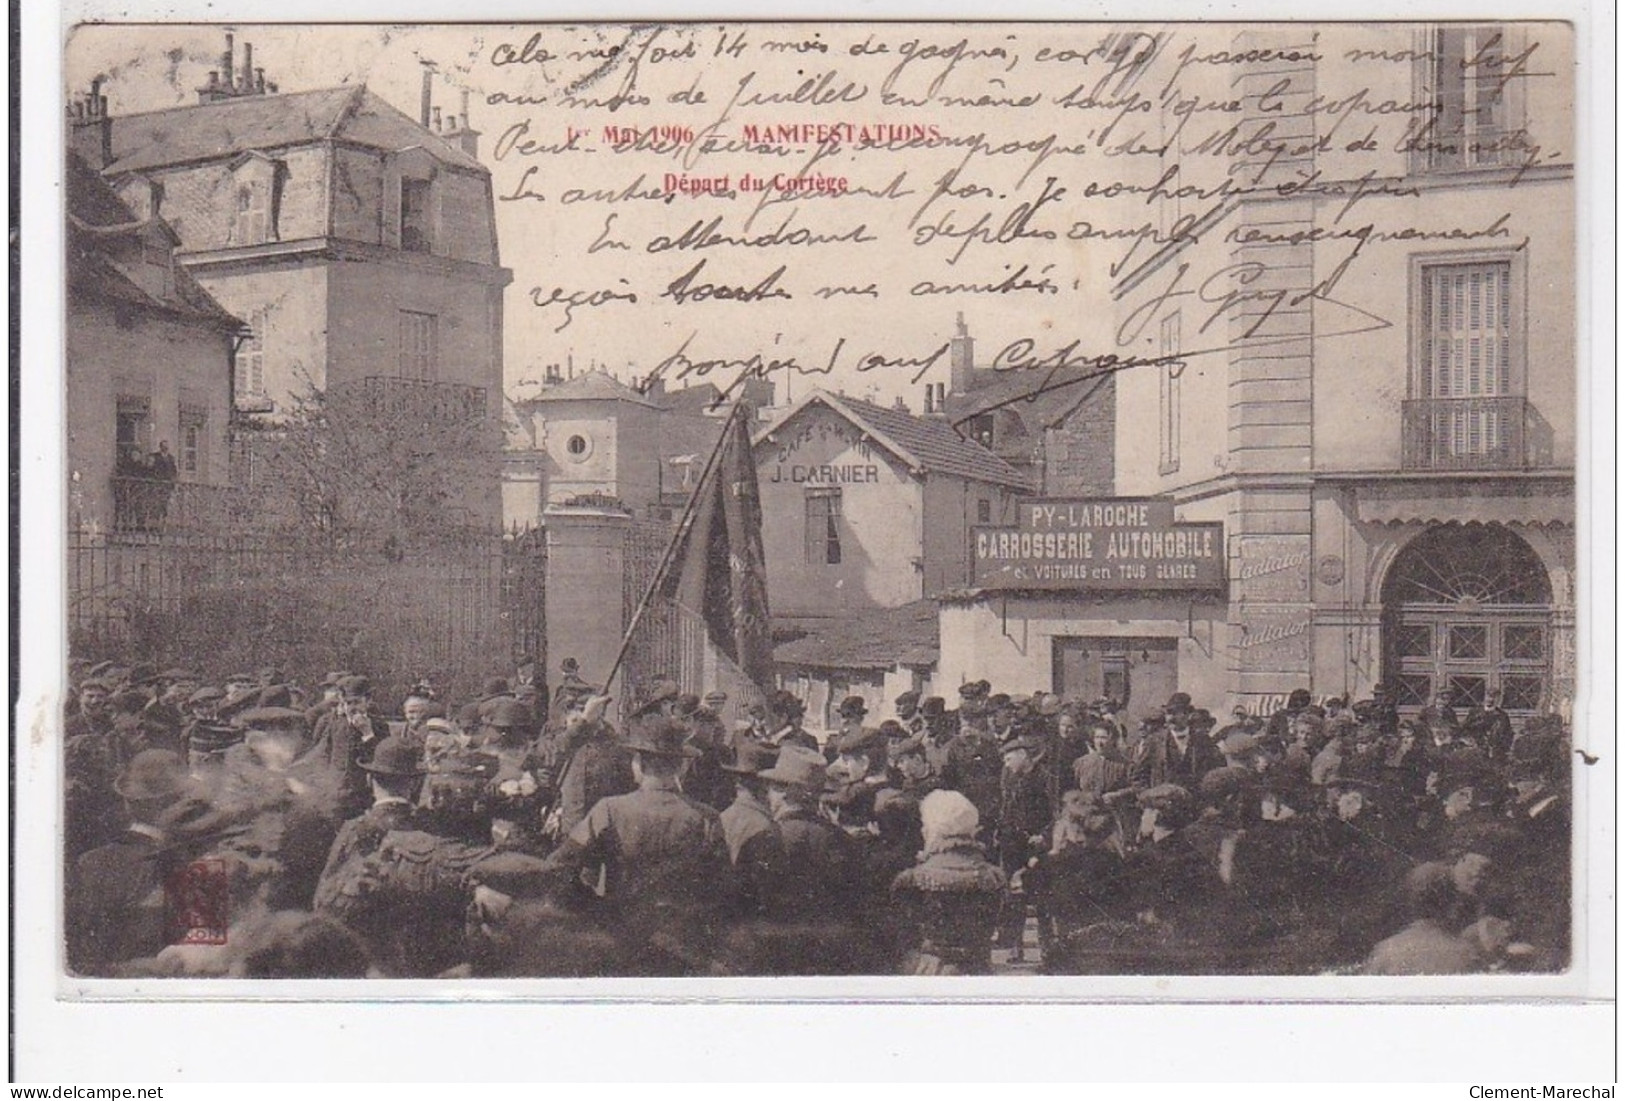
[866, 506]
[1364, 308]
[148, 366]
[357, 243]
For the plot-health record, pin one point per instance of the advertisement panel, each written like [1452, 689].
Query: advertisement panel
[1114, 544]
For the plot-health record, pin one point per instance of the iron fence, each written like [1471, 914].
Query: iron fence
[455, 612]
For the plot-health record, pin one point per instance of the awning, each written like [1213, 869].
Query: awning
[1532, 502]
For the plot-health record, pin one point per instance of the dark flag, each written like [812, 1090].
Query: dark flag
[719, 570]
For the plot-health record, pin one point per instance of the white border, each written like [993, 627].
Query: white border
[407, 1030]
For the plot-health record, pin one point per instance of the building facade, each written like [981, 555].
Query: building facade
[1362, 322]
[358, 244]
[148, 371]
[870, 507]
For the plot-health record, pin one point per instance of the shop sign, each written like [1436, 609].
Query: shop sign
[1273, 567]
[1277, 640]
[1115, 544]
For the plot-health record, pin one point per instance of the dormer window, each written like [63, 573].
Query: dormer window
[254, 199]
[416, 222]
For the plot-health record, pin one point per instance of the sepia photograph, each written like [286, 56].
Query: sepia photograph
[698, 500]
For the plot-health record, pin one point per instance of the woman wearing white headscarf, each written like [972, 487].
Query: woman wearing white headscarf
[950, 899]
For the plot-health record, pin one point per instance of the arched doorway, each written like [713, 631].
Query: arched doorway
[1467, 615]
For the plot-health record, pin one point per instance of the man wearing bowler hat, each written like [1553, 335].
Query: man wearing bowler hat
[351, 740]
[394, 773]
[664, 858]
[852, 710]
[1177, 753]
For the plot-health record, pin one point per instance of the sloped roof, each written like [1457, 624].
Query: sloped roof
[208, 131]
[882, 639]
[592, 386]
[1040, 397]
[926, 443]
[692, 399]
[93, 270]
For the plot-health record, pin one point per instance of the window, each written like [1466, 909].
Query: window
[1467, 330]
[134, 434]
[252, 214]
[980, 429]
[1473, 99]
[250, 362]
[1169, 396]
[415, 224]
[984, 511]
[418, 346]
[1470, 410]
[194, 457]
[577, 447]
[824, 527]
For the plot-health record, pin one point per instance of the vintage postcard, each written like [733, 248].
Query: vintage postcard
[901, 509]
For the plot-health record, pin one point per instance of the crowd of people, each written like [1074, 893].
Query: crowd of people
[253, 829]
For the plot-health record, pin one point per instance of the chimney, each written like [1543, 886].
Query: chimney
[248, 67]
[227, 60]
[428, 93]
[259, 81]
[961, 358]
[437, 124]
[467, 138]
[92, 128]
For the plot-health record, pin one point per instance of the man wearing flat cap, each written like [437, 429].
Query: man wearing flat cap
[940, 727]
[785, 714]
[858, 774]
[664, 857]
[584, 762]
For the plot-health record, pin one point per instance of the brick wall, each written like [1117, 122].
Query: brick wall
[1079, 454]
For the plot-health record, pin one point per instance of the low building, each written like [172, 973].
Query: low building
[869, 507]
[149, 371]
[877, 655]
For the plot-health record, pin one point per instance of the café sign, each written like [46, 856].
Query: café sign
[1114, 544]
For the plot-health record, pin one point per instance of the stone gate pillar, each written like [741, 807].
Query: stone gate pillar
[586, 565]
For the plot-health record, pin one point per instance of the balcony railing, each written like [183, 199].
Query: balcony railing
[1468, 434]
[153, 506]
[451, 401]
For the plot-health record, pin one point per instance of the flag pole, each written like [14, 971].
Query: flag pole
[683, 524]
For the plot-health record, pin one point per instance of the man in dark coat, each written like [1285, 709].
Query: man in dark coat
[786, 712]
[585, 763]
[396, 772]
[704, 779]
[1025, 813]
[346, 737]
[858, 774]
[116, 908]
[1176, 754]
[973, 766]
[664, 859]
[754, 844]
